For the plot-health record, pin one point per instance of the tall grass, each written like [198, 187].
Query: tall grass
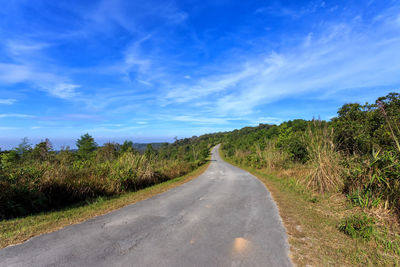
[43, 185]
[326, 170]
[391, 124]
[273, 157]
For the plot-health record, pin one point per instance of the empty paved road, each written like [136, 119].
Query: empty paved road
[225, 217]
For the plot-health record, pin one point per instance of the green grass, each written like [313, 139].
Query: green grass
[357, 226]
[17, 230]
[312, 222]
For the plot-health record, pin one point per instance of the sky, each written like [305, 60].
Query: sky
[150, 70]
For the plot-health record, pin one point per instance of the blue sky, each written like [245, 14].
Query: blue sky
[153, 70]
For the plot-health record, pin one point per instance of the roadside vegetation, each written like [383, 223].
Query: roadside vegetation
[337, 182]
[37, 179]
[345, 173]
[17, 230]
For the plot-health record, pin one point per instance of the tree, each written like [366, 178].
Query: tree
[24, 147]
[86, 146]
[108, 152]
[42, 150]
[127, 146]
[150, 151]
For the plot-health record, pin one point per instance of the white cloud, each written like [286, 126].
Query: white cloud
[397, 20]
[64, 90]
[132, 15]
[6, 128]
[19, 48]
[15, 115]
[207, 86]
[31, 65]
[7, 101]
[114, 129]
[199, 120]
[14, 73]
[341, 58]
[51, 83]
[80, 116]
[269, 120]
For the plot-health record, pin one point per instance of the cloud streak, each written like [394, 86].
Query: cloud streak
[16, 115]
[7, 101]
[343, 57]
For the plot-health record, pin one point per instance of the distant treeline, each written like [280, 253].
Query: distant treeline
[35, 179]
[140, 147]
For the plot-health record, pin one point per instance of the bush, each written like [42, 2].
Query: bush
[372, 179]
[357, 226]
[292, 143]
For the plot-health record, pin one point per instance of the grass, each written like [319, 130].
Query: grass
[312, 223]
[18, 230]
[325, 161]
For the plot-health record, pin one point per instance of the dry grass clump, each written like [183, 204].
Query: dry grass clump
[242, 153]
[273, 157]
[326, 172]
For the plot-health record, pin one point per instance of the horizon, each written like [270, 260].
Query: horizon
[148, 72]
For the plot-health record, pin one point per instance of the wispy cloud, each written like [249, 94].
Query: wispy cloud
[114, 129]
[64, 90]
[7, 101]
[268, 120]
[117, 11]
[343, 57]
[15, 115]
[24, 48]
[31, 65]
[199, 120]
[279, 10]
[6, 128]
[397, 20]
[51, 83]
[208, 85]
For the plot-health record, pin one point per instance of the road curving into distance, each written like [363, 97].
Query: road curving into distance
[225, 217]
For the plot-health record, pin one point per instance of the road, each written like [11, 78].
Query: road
[225, 217]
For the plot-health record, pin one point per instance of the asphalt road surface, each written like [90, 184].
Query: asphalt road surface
[225, 217]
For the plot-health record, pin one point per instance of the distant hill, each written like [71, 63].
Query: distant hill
[141, 147]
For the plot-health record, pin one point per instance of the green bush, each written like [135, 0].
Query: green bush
[292, 143]
[357, 226]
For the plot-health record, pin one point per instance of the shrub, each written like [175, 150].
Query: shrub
[357, 226]
[292, 143]
[373, 178]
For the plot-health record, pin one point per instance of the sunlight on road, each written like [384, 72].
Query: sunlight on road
[240, 245]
